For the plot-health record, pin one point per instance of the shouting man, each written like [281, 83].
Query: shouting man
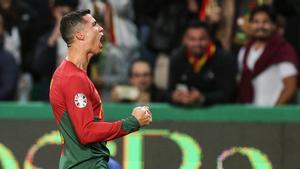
[76, 103]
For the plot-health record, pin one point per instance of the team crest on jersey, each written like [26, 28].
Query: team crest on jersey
[80, 100]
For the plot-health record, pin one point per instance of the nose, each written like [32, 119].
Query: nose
[100, 29]
[260, 24]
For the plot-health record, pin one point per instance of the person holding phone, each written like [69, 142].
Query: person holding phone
[141, 88]
[201, 73]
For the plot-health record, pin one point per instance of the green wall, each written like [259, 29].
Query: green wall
[165, 112]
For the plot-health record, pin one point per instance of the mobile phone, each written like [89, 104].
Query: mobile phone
[126, 92]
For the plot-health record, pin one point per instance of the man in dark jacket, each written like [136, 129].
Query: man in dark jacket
[200, 72]
[50, 50]
[8, 71]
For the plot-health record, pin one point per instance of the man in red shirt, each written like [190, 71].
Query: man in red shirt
[76, 103]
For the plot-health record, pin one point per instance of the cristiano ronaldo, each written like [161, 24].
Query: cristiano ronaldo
[76, 104]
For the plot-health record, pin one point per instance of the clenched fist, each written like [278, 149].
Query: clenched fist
[143, 115]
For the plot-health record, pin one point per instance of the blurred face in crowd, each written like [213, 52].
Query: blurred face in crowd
[5, 4]
[261, 26]
[196, 40]
[141, 76]
[92, 35]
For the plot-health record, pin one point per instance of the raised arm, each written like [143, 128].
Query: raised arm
[82, 116]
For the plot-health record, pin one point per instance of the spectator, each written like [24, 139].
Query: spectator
[267, 64]
[23, 25]
[8, 70]
[200, 72]
[50, 50]
[141, 89]
[167, 29]
[12, 42]
[121, 45]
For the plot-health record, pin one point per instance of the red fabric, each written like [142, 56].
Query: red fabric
[112, 34]
[67, 82]
[199, 61]
[202, 11]
[111, 26]
[277, 50]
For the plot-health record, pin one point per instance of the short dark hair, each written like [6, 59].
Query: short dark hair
[196, 24]
[69, 24]
[139, 60]
[267, 9]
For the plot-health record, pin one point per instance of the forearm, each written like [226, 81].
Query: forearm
[285, 96]
[105, 131]
[289, 89]
[81, 112]
[54, 36]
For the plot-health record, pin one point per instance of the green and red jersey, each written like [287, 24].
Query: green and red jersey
[78, 112]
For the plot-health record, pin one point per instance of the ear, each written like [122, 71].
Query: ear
[79, 36]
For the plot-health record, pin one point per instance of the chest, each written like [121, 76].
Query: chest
[96, 103]
[203, 78]
[253, 56]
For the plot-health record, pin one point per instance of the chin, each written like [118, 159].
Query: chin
[97, 51]
[262, 38]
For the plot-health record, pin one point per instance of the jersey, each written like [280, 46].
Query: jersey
[79, 115]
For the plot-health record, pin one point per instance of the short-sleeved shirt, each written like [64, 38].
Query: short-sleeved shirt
[268, 84]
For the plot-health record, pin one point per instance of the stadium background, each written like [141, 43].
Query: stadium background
[222, 136]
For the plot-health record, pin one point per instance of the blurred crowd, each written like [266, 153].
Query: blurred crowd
[184, 52]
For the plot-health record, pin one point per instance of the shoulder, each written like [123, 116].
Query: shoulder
[75, 84]
[177, 54]
[71, 77]
[223, 56]
[70, 72]
[6, 58]
[287, 69]
[241, 52]
[287, 48]
[76, 78]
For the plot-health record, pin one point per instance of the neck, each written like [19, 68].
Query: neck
[263, 40]
[78, 57]
[195, 54]
[259, 44]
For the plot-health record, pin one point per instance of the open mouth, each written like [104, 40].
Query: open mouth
[101, 39]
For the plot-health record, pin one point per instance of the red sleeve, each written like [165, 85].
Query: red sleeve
[80, 111]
